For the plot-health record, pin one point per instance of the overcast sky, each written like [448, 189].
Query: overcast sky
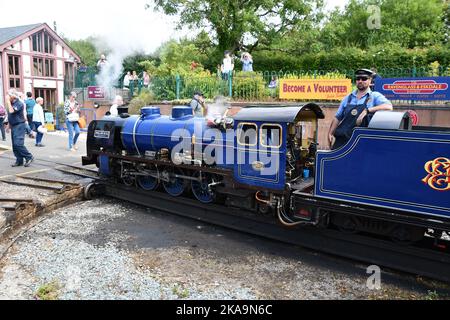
[122, 23]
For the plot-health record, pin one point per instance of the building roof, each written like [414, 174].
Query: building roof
[13, 34]
[7, 34]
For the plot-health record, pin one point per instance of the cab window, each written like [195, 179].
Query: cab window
[270, 135]
[247, 134]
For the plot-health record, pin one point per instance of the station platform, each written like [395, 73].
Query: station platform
[28, 192]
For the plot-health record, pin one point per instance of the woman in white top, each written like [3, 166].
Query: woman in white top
[228, 66]
[38, 120]
[126, 80]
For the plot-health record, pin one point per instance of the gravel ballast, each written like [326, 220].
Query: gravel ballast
[105, 249]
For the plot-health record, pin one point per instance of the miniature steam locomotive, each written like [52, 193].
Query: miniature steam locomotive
[390, 179]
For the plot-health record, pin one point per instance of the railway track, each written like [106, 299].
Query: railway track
[425, 260]
[82, 172]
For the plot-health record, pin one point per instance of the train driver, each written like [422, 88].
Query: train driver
[198, 104]
[356, 109]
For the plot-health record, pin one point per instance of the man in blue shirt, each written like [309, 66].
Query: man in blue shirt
[30, 103]
[356, 107]
[16, 120]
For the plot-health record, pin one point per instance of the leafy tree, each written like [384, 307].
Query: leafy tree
[241, 24]
[411, 23]
[133, 63]
[86, 49]
[176, 58]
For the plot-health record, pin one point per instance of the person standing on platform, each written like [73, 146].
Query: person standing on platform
[16, 121]
[38, 121]
[2, 121]
[29, 103]
[71, 110]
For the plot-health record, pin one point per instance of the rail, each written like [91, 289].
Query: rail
[421, 260]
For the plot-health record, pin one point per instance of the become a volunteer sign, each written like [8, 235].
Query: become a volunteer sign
[323, 89]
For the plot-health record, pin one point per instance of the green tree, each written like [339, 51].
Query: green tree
[241, 24]
[134, 62]
[176, 58]
[410, 23]
[86, 49]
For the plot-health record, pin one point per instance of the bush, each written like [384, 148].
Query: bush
[347, 59]
[142, 100]
[210, 86]
[164, 88]
[248, 86]
[60, 116]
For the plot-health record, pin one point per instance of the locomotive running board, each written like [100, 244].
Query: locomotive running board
[417, 261]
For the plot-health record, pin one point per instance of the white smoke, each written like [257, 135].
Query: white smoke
[122, 29]
[120, 46]
[218, 107]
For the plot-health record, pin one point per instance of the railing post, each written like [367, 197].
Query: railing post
[131, 89]
[230, 84]
[178, 79]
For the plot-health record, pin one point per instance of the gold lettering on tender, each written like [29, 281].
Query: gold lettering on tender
[438, 177]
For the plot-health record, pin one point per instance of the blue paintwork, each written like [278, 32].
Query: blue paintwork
[104, 165]
[152, 132]
[147, 182]
[201, 190]
[244, 171]
[385, 168]
[176, 186]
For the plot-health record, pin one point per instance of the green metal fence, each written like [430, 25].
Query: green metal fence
[243, 86]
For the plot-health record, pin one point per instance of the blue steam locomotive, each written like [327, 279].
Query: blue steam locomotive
[390, 179]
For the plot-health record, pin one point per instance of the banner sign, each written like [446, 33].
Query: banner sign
[323, 89]
[95, 92]
[433, 88]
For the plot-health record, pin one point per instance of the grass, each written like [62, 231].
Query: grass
[180, 292]
[48, 291]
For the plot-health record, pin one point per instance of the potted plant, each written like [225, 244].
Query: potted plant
[60, 117]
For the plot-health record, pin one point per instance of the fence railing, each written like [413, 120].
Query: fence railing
[242, 85]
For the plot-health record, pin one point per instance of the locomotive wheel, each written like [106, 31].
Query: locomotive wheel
[348, 226]
[148, 183]
[201, 190]
[175, 186]
[405, 235]
[129, 181]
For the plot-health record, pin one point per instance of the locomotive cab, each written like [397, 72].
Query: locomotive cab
[276, 145]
